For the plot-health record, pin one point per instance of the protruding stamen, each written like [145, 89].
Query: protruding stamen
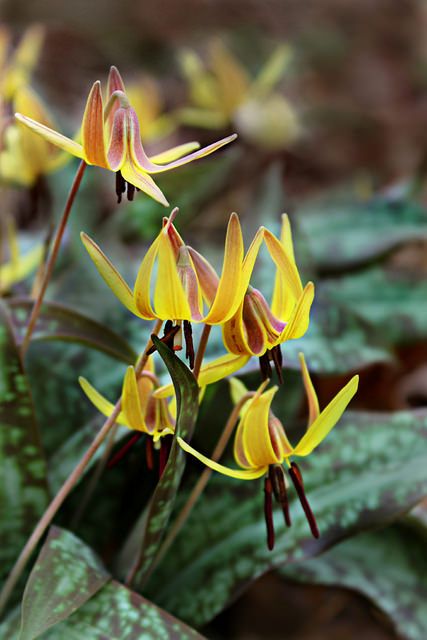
[169, 334]
[130, 191]
[268, 512]
[123, 451]
[189, 346]
[120, 186]
[296, 478]
[149, 453]
[264, 364]
[276, 357]
[278, 480]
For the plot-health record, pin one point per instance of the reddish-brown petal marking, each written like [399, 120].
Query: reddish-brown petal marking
[115, 83]
[117, 145]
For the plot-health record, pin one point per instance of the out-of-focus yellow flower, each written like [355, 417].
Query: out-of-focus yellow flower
[144, 96]
[258, 329]
[18, 267]
[16, 68]
[223, 94]
[261, 444]
[25, 157]
[111, 139]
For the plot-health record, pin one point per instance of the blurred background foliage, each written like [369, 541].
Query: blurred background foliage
[352, 178]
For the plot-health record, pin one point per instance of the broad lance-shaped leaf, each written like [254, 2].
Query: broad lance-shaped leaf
[147, 535]
[23, 487]
[389, 567]
[66, 574]
[339, 234]
[391, 301]
[69, 595]
[58, 322]
[370, 469]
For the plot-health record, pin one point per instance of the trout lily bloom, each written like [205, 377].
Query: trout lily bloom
[26, 157]
[141, 411]
[258, 329]
[261, 446]
[16, 68]
[170, 287]
[224, 94]
[111, 139]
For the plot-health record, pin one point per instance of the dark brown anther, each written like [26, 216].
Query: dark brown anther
[189, 346]
[268, 512]
[264, 364]
[149, 453]
[130, 191]
[120, 186]
[167, 338]
[277, 476]
[164, 454]
[296, 478]
[276, 356]
[123, 451]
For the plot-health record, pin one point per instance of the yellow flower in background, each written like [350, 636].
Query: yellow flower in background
[145, 97]
[261, 444]
[170, 287]
[257, 328]
[18, 267]
[223, 94]
[111, 139]
[17, 66]
[25, 157]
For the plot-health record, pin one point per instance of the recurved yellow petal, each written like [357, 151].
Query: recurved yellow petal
[52, 136]
[286, 267]
[175, 152]
[170, 300]
[143, 181]
[110, 274]
[254, 429]
[300, 318]
[102, 404]
[239, 474]
[201, 153]
[131, 404]
[326, 420]
[313, 402]
[229, 293]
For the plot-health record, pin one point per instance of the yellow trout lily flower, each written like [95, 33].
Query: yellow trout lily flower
[224, 94]
[25, 157]
[111, 139]
[170, 287]
[16, 68]
[258, 329]
[261, 445]
[18, 266]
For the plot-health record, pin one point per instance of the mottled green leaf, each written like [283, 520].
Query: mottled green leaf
[23, 488]
[116, 613]
[66, 574]
[154, 521]
[370, 469]
[391, 301]
[339, 234]
[58, 322]
[389, 567]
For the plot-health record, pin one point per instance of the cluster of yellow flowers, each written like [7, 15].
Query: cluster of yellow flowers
[175, 283]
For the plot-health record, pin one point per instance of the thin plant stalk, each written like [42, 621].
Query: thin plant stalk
[201, 350]
[47, 273]
[197, 490]
[66, 488]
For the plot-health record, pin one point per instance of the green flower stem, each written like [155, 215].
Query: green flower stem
[198, 488]
[66, 488]
[47, 272]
